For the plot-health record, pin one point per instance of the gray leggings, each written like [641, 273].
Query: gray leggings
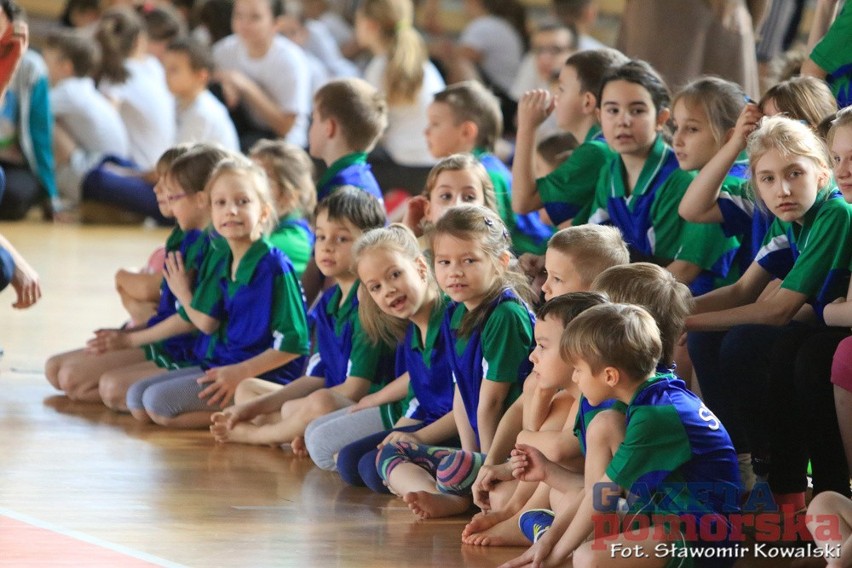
[170, 394]
[329, 434]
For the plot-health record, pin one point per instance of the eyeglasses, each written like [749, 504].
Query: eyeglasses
[175, 197]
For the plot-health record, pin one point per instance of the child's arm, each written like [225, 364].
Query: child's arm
[25, 280]
[392, 392]
[114, 339]
[700, 203]
[538, 407]
[353, 388]
[180, 283]
[466, 433]
[492, 397]
[530, 464]
[243, 88]
[533, 109]
[224, 380]
[839, 312]
[684, 271]
[744, 291]
[430, 435]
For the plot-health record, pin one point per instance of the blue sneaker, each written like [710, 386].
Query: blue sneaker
[535, 522]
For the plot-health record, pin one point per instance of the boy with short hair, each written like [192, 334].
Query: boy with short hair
[348, 119]
[201, 117]
[567, 192]
[671, 438]
[87, 126]
[466, 118]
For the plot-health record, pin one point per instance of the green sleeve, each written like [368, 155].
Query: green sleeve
[289, 322]
[655, 441]
[506, 341]
[826, 248]
[704, 244]
[293, 242]
[832, 52]
[365, 357]
[568, 191]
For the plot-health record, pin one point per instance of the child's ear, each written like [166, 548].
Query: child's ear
[663, 117]
[422, 267]
[505, 259]
[330, 127]
[612, 377]
[469, 130]
[590, 104]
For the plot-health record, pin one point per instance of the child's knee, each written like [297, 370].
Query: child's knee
[320, 402]
[457, 471]
[113, 392]
[51, 370]
[73, 381]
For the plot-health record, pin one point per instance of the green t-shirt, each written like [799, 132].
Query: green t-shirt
[834, 56]
[567, 192]
[294, 240]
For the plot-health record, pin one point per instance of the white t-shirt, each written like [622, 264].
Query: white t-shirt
[207, 120]
[283, 74]
[91, 120]
[587, 42]
[501, 47]
[322, 45]
[404, 140]
[147, 108]
[338, 27]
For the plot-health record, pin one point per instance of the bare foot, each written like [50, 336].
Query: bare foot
[482, 522]
[504, 533]
[427, 505]
[242, 433]
[300, 450]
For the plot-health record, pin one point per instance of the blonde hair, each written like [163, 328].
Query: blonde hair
[405, 47]
[593, 248]
[843, 119]
[118, 32]
[722, 101]
[623, 336]
[358, 108]
[292, 169]
[380, 326]
[471, 101]
[463, 162]
[655, 289]
[484, 226]
[238, 165]
[192, 169]
[802, 98]
[790, 138]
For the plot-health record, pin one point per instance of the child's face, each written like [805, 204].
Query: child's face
[366, 31]
[841, 154]
[396, 283]
[770, 108]
[452, 188]
[629, 120]
[190, 210]
[333, 248]
[181, 79]
[788, 185]
[58, 67]
[253, 22]
[160, 193]
[236, 209]
[463, 270]
[548, 365]
[592, 385]
[317, 137]
[569, 99]
[693, 140]
[551, 49]
[444, 134]
[562, 276]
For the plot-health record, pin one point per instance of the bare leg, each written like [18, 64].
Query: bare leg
[418, 490]
[822, 507]
[78, 373]
[250, 389]
[197, 419]
[113, 384]
[505, 532]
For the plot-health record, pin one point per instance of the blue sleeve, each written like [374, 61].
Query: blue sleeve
[41, 132]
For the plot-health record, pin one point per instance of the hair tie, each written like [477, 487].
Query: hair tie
[402, 25]
[488, 221]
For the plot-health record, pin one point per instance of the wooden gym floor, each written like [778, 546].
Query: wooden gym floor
[83, 486]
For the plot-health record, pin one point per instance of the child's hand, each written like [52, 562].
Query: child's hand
[364, 403]
[486, 480]
[223, 384]
[415, 212]
[534, 107]
[26, 284]
[232, 86]
[108, 340]
[396, 437]
[177, 277]
[746, 123]
[536, 555]
[528, 463]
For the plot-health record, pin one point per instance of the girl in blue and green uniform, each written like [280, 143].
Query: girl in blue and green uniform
[248, 304]
[639, 191]
[290, 173]
[489, 329]
[747, 369]
[403, 307]
[345, 364]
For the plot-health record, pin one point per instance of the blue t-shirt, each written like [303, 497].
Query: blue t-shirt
[351, 169]
[261, 308]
